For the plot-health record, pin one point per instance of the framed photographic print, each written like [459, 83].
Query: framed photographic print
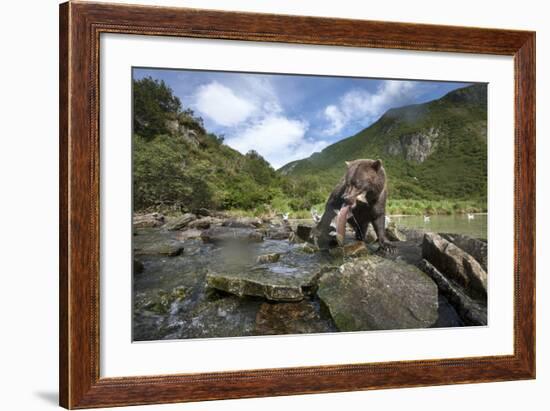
[257, 205]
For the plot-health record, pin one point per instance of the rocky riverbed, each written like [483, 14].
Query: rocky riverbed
[209, 275]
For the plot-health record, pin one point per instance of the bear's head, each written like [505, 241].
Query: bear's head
[364, 181]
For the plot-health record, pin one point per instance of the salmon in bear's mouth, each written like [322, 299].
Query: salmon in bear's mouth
[342, 217]
[341, 220]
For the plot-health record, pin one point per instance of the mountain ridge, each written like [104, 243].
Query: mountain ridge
[433, 150]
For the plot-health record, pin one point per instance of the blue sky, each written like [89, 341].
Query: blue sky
[289, 117]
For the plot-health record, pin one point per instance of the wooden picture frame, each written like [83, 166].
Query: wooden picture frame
[80, 27]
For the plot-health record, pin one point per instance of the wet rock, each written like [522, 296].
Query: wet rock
[457, 265]
[220, 235]
[264, 283]
[379, 294]
[189, 234]
[138, 267]
[471, 312]
[303, 233]
[394, 234]
[148, 220]
[355, 249]
[224, 317]
[162, 303]
[268, 258]
[279, 232]
[169, 249]
[309, 248]
[243, 222]
[177, 223]
[370, 237]
[291, 318]
[476, 248]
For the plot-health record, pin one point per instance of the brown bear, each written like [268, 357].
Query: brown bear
[358, 199]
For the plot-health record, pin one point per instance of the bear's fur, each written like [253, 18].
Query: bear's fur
[363, 188]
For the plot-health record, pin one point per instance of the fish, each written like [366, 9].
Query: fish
[341, 220]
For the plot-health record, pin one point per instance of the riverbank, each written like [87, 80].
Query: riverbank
[393, 208]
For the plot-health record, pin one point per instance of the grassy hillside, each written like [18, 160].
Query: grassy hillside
[178, 165]
[433, 153]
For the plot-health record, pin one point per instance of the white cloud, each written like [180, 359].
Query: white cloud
[248, 111]
[364, 106]
[277, 138]
[222, 105]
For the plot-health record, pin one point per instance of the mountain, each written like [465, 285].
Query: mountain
[431, 151]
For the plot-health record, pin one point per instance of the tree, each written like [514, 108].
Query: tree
[154, 105]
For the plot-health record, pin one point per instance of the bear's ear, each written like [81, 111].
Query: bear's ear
[377, 164]
[348, 163]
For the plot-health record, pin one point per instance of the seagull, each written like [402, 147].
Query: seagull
[470, 216]
[426, 218]
[285, 217]
[315, 215]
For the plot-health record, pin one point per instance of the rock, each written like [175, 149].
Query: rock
[416, 146]
[355, 249]
[476, 248]
[169, 249]
[138, 267]
[261, 282]
[309, 248]
[379, 294]
[148, 220]
[471, 312]
[290, 318]
[203, 223]
[224, 317]
[202, 212]
[455, 263]
[219, 235]
[189, 234]
[394, 234]
[413, 234]
[370, 237]
[303, 232]
[180, 222]
[268, 258]
[279, 232]
[243, 222]
[162, 303]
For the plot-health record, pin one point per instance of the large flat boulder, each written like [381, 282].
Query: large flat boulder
[272, 285]
[226, 235]
[455, 263]
[379, 294]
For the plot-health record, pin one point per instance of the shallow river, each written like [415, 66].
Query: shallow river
[171, 300]
[456, 224]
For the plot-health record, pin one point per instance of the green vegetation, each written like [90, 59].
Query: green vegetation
[179, 166]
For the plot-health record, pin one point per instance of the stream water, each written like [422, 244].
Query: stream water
[171, 299]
